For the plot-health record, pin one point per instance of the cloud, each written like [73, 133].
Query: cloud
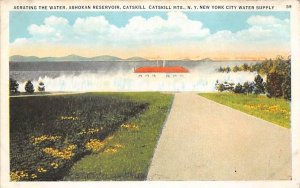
[266, 21]
[262, 29]
[177, 30]
[177, 27]
[93, 25]
[54, 21]
[54, 29]
[266, 28]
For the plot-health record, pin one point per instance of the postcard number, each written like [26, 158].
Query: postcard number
[288, 6]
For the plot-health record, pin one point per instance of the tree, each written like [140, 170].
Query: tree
[217, 84]
[235, 69]
[238, 88]
[286, 84]
[221, 69]
[286, 88]
[41, 87]
[274, 84]
[227, 69]
[221, 87]
[258, 85]
[29, 87]
[13, 85]
[245, 67]
[248, 87]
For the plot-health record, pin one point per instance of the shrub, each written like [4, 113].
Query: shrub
[248, 87]
[238, 88]
[219, 86]
[41, 86]
[13, 85]
[29, 87]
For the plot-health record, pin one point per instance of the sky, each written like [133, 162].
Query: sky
[153, 35]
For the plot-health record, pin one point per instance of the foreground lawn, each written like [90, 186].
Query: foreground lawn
[49, 134]
[129, 151]
[274, 110]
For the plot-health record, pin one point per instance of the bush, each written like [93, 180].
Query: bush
[221, 87]
[41, 87]
[29, 87]
[238, 88]
[248, 87]
[13, 85]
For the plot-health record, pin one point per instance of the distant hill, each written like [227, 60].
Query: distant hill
[206, 60]
[105, 58]
[137, 59]
[23, 58]
[72, 57]
[19, 58]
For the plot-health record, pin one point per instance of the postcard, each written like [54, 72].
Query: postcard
[150, 93]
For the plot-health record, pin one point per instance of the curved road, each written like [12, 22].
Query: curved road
[204, 140]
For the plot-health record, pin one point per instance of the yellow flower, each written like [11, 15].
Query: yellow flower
[33, 176]
[110, 150]
[94, 145]
[129, 126]
[119, 146]
[42, 170]
[69, 118]
[114, 148]
[18, 175]
[54, 165]
[266, 108]
[64, 154]
[43, 138]
[89, 131]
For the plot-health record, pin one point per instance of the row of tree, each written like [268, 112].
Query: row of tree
[279, 65]
[278, 79]
[275, 86]
[29, 87]
[245, 67]
[256, 87]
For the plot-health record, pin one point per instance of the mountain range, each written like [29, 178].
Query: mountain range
[20, 58]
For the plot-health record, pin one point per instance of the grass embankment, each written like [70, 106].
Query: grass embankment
[271, 109]
[131, 149]
[26, 93]
[49, 134]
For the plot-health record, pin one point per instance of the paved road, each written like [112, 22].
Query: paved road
[203, 140]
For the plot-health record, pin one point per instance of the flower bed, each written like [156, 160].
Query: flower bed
[48, 134]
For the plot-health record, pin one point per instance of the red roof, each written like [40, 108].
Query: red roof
[161, 70]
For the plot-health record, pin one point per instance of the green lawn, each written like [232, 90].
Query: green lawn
[128, 153]
[271, 109]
